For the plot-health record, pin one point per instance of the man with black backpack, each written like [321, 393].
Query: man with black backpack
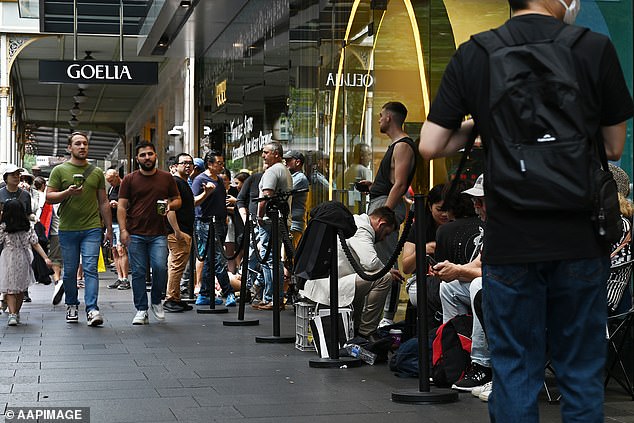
[550, 102]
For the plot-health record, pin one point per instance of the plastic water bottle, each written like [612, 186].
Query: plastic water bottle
[358, 351]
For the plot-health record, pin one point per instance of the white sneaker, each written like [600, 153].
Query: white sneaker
[385, 322]
[140, 318]
[58, 292]
[94, 318]
[157, 311]
[486, 392]
[13, 320]
[479, 389]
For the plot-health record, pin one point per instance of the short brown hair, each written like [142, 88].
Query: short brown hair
[72, 134]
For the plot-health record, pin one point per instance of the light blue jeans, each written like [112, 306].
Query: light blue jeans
[556, 306]
[208, 283]
[265, 229]
[141, 250]
[457, 298]
[86, 244]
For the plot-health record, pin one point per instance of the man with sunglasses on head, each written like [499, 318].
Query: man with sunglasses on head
[80, 188]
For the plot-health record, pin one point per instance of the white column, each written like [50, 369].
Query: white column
[5, 127]
[189, 117]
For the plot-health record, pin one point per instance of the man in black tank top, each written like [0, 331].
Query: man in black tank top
[392, 181]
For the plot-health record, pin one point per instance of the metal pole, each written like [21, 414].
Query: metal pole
[275, 241]
[121, 30]
[245, 277]
[424, 395]
[334, 361]
[211, 259]
[274, 215]
[74, 29]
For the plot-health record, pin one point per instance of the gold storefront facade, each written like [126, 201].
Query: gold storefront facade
[314, 75]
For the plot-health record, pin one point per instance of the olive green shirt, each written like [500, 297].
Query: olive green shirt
[81, 212]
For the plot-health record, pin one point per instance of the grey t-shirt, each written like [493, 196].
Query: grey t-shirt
[20, 194]
[277, 178]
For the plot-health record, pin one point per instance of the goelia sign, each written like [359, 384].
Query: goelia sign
[94, 72]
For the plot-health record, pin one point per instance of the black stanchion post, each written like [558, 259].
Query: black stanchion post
[275, 245]
[211, 256]
[424, 394]
[334, 361]
[245, 277]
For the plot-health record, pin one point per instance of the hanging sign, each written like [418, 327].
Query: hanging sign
[95, 72]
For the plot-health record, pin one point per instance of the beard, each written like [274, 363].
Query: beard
[147, 166]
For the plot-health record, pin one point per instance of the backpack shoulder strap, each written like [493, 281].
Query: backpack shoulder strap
[89, 170]
[492, 40]
[570, 34]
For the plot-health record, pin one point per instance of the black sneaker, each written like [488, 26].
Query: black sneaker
[186, 306]
[124, 285]
[116, 284]
[477, 375]
[26, 299]
[173, 307]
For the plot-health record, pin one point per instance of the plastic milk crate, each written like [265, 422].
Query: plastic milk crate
[303, 335]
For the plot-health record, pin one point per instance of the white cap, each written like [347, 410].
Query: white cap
[477, 190]
[10, 168]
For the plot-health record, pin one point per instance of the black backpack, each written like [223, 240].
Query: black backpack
[451, 350]
[541, 157]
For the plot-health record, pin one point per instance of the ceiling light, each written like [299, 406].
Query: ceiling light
[75, 111]
[163, 41]
[73, 122]
[80, 97]
[185, 3]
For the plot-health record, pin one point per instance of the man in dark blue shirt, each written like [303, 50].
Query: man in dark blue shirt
[210, 201]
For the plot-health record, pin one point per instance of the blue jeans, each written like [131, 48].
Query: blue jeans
[86, 244]
[265, 229]
[559, 306]
[141, 249]
[208, 283]
[457, 298]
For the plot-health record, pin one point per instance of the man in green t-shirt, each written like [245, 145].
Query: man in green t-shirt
[80, 189]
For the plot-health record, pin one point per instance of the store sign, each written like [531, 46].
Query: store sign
[221, 93]
[241, 131]
[360, 80]
[94, 72]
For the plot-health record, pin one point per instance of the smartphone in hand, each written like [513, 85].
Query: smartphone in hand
[431, 261]
[361, 187]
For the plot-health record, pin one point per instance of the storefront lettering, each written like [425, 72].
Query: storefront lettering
[252, 145]
[76, 71]
[221, 93]
[350, 80]
[241, 129]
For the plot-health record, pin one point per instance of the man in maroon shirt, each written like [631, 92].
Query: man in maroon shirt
[145, 197]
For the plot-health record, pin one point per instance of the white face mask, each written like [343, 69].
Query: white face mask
[571, 11]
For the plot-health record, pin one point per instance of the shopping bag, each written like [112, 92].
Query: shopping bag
[320, 327]
[101, 265]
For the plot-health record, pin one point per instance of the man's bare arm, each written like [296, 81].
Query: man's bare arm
[437, 141]
[614, 140]
[404, 160]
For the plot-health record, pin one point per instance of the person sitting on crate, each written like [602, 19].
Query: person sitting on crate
[367, 297]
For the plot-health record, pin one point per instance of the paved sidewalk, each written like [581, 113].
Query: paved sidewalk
[191, 368]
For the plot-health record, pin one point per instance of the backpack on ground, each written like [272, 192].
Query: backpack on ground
[404, 362]
[451, 351]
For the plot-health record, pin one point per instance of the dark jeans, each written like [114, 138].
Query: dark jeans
[559, 305]
[208, 281]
